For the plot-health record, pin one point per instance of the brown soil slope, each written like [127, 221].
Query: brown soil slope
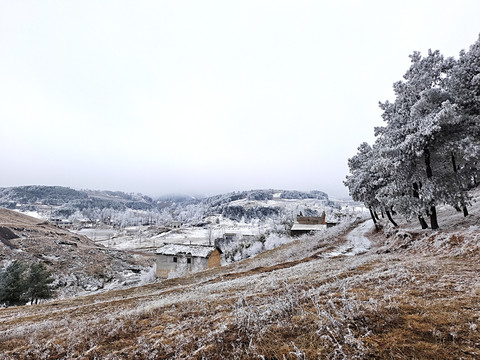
[77, 263]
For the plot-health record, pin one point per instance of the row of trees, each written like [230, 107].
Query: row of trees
[19, 286]
[427, 153]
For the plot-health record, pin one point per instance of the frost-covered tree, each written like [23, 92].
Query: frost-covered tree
[368, 180]
[359, 183]
[464, 82]
[12, 284]
[38, 283]
[464, 86]
[427, 153]
[16, 288]
[412, 124]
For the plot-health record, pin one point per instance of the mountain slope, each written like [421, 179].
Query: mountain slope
[60, 201]
[121, 209]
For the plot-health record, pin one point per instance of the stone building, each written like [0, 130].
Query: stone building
[181, 259]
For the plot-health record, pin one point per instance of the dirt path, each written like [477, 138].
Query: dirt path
[357, 242]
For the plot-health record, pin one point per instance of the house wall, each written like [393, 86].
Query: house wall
[166, 265]
[311, 220]
[214, 259]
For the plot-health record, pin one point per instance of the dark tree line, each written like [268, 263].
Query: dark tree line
[19, 285]
[427, 152]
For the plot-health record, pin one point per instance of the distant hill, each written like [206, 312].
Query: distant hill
[116, 207]
[66, 201]
[47, 195]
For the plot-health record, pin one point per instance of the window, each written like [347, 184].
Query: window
[175, 259]
[189, 260]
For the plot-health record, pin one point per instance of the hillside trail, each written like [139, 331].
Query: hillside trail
[357, 242]
[354, 243]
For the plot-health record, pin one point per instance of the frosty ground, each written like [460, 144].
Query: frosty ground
[401, 293]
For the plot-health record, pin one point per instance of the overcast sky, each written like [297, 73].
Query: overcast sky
[205, 97]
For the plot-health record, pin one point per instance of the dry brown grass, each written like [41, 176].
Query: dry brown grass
[405, 304]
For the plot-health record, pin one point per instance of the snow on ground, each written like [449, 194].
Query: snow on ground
[357, 241]
[34, 214]
[97, 234]
[246, 303]
[143, 237]
[185, 235]
[458, 235]
[291, 205]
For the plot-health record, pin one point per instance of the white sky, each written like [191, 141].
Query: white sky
[205, 97]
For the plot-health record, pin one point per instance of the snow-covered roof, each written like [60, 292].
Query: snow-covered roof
[185, 249]
[308, 227]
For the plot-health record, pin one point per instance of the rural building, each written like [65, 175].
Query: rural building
[229, 236]
[308, 224]
[64, 224]
[180, 259]
[81, 224]
[176, 224]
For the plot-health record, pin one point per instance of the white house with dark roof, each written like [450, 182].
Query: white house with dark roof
[180, 259]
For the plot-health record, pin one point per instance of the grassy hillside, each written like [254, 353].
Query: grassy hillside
[414, 295]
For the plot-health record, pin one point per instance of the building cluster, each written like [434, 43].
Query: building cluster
[174, 259]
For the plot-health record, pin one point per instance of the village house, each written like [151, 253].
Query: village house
[64, 224]
[176, 224]
[180, 259]
[308, 224]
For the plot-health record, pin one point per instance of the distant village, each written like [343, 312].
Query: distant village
[178, 257]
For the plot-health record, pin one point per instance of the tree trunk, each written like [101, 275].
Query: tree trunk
[376, 215]
[433, 210]
[416, 194]
[428, 166]
[390, 218]
[433, 218]
[454, 165]
[423, 223]
[415, 190]
[373, 218]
